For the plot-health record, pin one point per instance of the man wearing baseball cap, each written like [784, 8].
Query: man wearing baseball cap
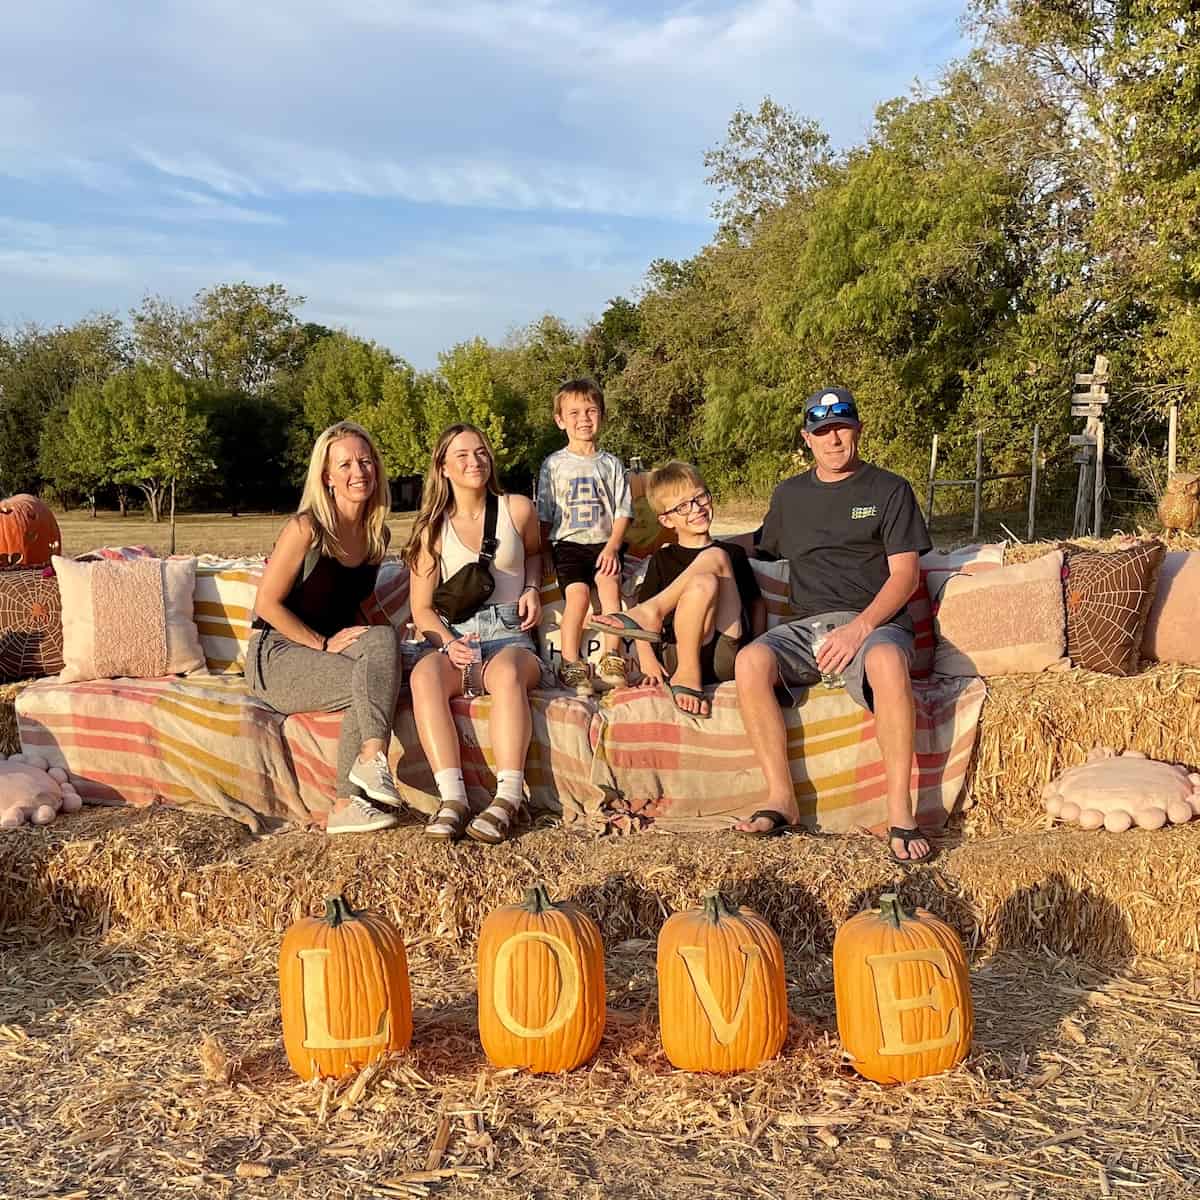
[852, 534]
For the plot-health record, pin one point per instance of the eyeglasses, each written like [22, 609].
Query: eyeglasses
[698, 501]
[841, 408]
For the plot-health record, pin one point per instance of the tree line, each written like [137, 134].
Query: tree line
[1039, 204]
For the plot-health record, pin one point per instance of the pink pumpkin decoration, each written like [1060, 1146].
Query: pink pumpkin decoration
[1120, 791]
[31, 793]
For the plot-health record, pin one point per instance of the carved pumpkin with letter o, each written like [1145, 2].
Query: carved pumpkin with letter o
[29, 533]
[343, 990]
[541, 985]
[722, 999]
[903, 993]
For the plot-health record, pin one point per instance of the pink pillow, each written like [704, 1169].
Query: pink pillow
[1007, 621]
[1173, 626]
[128, 618]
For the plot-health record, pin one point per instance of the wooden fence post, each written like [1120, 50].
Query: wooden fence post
[1033, 480]
[932, 477]
[978, 483]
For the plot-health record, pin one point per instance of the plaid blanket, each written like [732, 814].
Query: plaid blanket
[204, 743]
[659, 768]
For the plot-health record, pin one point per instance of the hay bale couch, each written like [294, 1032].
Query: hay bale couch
[629, 762]
[200, 741]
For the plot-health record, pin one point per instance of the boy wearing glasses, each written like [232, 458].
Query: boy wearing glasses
[584, 507]
[852, 534]
[698, 602]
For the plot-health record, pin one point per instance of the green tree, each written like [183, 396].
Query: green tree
[236, 335]
[162, 437]
[78, 445]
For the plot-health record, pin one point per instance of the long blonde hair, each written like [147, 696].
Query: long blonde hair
[316, 501]
[437, 496]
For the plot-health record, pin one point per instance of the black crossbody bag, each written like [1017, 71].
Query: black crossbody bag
[469, 588]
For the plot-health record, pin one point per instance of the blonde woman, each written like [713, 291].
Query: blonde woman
[309, 651]
[491, 650]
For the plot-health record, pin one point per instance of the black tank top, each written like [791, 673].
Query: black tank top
[326, 595]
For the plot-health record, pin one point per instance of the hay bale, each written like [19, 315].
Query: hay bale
[1094, 896]
[1034, 726]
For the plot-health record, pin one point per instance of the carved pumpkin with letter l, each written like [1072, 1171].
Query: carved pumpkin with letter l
[541, 985]
[903, 993]
[722, 999]
[343, 990]
[29, 532]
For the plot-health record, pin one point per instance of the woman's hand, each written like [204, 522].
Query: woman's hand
[344, 637]
[529, 606]
[459, 651]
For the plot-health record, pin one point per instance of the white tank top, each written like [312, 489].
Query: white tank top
[508, 567]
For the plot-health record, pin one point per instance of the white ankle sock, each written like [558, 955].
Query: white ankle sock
[450, 784]
[510, 786]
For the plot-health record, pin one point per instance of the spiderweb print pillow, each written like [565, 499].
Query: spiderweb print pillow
[31, 635]
[1108, 596]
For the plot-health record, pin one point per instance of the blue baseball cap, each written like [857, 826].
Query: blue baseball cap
[830, 406]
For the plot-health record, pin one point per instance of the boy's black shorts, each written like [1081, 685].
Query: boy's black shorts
[575, 562]
[716, 658]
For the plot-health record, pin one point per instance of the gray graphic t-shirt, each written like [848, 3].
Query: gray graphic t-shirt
[579, 496]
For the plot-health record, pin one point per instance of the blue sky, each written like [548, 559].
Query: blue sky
[422, 172]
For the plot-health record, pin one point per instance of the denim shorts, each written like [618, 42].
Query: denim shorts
[497, 626]
[791, 643]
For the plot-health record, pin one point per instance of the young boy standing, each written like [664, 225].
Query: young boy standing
[584, 507]
[699, 600]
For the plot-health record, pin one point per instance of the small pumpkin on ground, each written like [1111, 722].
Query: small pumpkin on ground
[541, 985]
[903, 993]
[29, 532]
[344, 991]
[722, 998]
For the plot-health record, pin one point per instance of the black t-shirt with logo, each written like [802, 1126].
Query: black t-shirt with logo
[837, 537]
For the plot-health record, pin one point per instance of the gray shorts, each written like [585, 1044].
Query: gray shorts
[792, 646]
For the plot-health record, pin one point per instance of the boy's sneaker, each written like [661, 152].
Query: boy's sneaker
[376, 780]
[613, 673]
[359, 816]
[577, 676]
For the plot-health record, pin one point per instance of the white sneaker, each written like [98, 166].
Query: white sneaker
[376, 780]
[359, 816]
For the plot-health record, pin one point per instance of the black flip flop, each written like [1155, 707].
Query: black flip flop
[679, 689]
[779, 824]
[906, 836]
[626, 627]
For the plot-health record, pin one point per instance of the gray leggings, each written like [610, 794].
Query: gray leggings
[364, 679]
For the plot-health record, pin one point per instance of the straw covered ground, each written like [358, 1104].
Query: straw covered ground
[150, 1065]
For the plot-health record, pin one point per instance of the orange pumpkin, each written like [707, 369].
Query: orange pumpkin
[29, 533]
[541, 985]
[722, 1000]
[903, 993]
[343, 990]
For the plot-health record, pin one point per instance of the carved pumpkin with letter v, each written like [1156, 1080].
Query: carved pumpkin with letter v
[722, 999]
[343, 990]
[903, 993]
[541, 985]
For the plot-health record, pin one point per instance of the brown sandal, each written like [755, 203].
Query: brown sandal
[492, 825]
[446, 825]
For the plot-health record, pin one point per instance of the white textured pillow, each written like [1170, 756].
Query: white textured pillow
[128, 618]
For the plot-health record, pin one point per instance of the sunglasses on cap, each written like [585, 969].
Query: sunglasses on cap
[840, 408]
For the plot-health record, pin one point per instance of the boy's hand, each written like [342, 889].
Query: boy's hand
[654, 674]
[609, 562]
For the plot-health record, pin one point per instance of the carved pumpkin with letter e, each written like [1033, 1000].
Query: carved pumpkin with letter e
[29, 533]
[903, 993]
[722, 999]
[343, 990]
[541, 985]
